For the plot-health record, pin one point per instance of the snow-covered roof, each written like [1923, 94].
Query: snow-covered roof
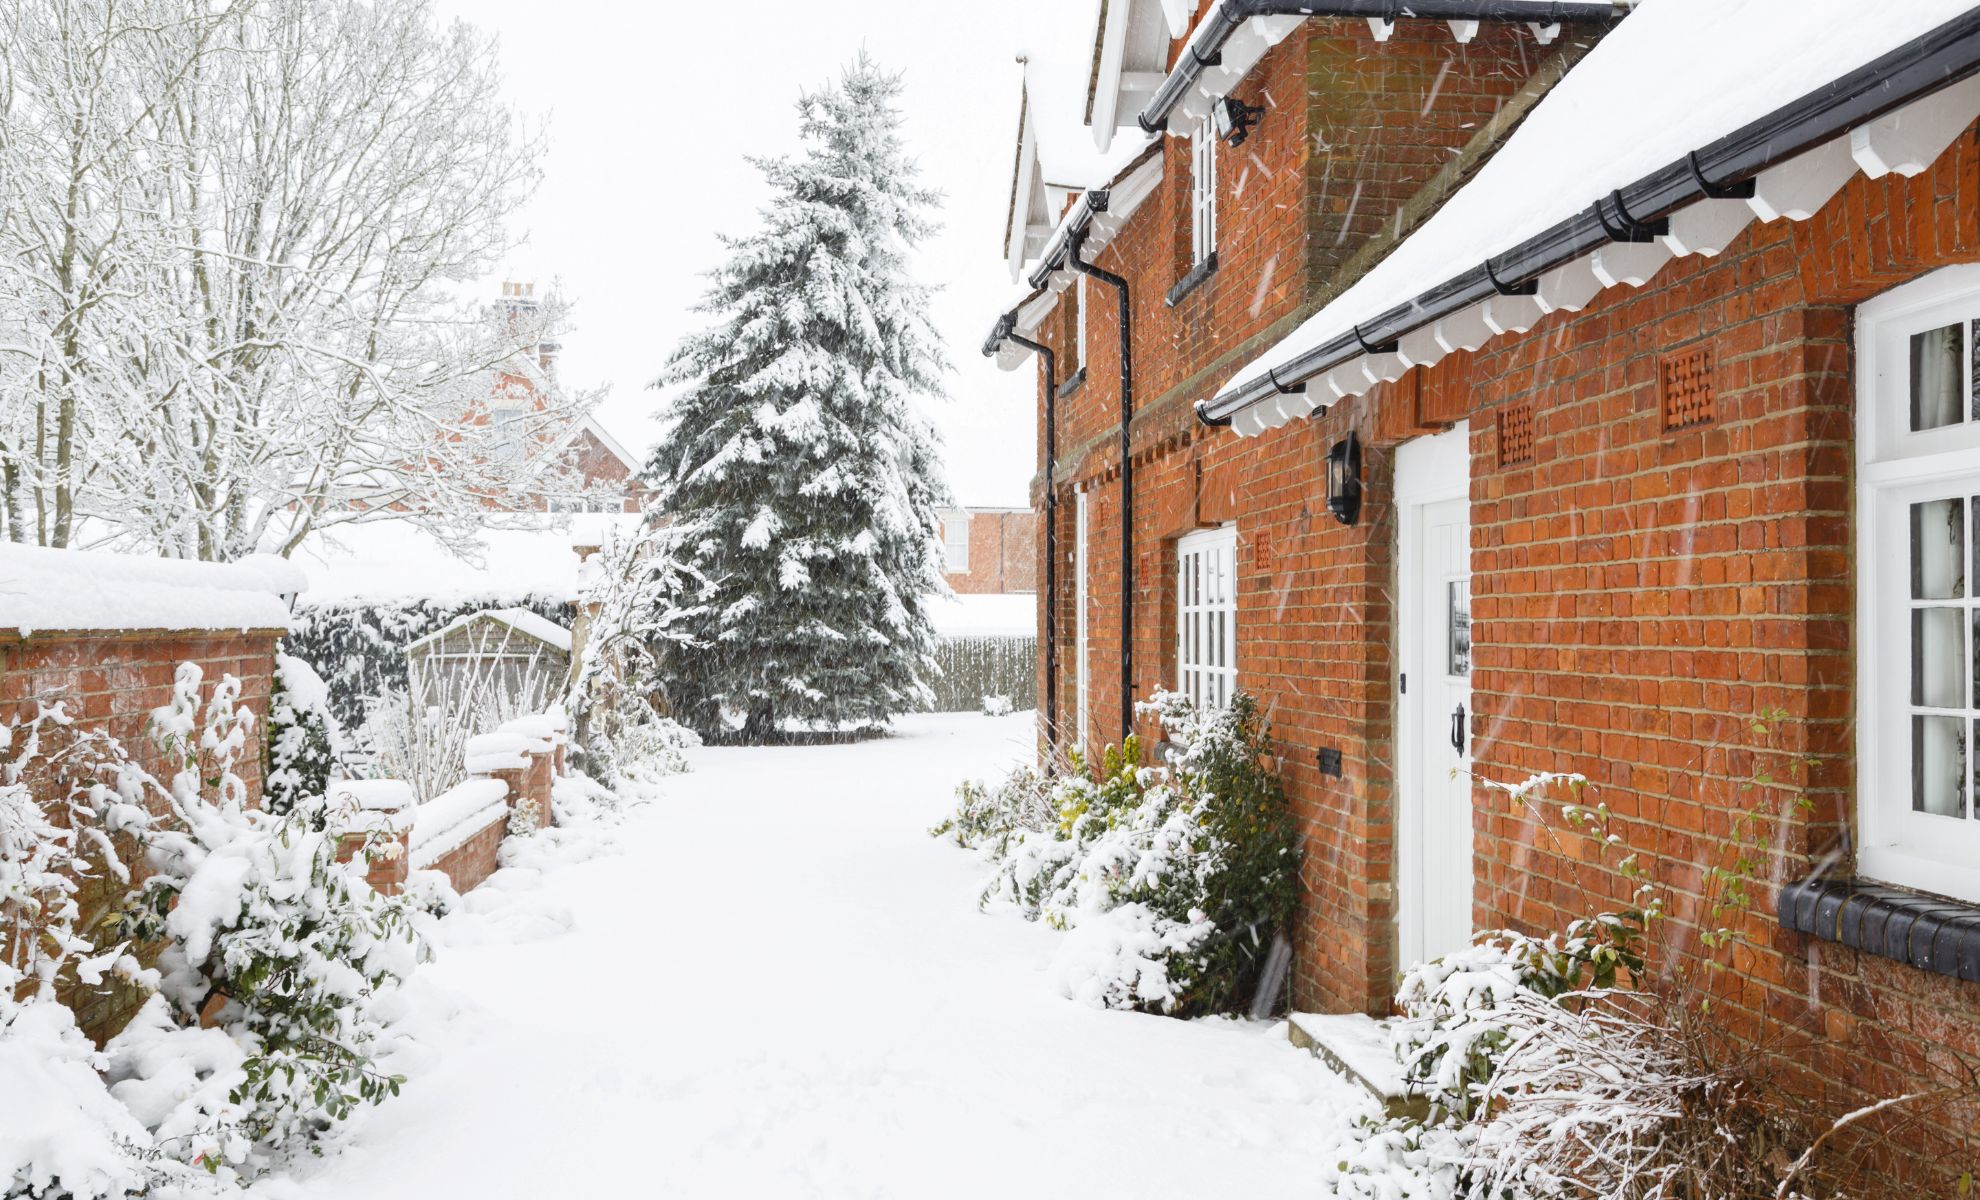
[101, 591]
[396, 560]
[1126, 191]
[1130, 61]
[521, 620]
[1669, 79]
[993, 614]
[1056, 155]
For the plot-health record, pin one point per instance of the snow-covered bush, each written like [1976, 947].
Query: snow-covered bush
[266, 937]
[998, 706]
[640, 597]
[1577, 1065]
[1172, 881]
[304, 738]
[64, 793]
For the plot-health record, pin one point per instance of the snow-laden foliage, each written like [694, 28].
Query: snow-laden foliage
[639, 598]
[304, 738]
[233, 240]
[266, 938]
[1573, 1065]
[63, 793]
[800, 478]
[1171, 881]
[359, 647]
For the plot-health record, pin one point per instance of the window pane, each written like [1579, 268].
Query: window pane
[1938, 550]
[1938, 765]
[1938, 657]
[1938, 370]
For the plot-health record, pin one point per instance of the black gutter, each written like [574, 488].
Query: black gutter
[1120, 285]
[1057, 252]
[1724, 168]
[1206, 48]
[1051, 362]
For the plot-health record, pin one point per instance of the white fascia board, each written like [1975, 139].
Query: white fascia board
[1027, 192]
[591, 425]
[1130, 62]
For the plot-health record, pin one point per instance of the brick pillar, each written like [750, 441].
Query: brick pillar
[374, 817]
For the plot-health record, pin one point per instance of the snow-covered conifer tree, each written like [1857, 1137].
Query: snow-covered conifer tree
[802, 479]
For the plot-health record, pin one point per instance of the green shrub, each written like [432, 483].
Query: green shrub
[1174, 879]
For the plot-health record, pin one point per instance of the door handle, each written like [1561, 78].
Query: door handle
[1457, 729]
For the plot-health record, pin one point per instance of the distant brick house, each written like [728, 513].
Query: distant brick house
[990, 550]
[1654, 419]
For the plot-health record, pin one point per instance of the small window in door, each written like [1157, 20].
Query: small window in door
[1457, 604]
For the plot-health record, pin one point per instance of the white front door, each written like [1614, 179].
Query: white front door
[1434, 873]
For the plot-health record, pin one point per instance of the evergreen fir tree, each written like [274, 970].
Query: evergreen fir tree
[799, 475]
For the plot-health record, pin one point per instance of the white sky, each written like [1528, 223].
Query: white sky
[651, 109]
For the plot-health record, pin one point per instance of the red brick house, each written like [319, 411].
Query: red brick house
[990, 551]
[1652, 418]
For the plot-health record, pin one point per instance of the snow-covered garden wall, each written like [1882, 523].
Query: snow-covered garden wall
[103, 635]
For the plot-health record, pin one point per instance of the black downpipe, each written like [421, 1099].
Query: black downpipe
[1723, 168]
[1051, 582]
[1081, 267]
[1206, 49]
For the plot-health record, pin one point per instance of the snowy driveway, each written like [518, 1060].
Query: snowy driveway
[781, 986]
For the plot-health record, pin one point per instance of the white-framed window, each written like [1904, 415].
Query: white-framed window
[1918, 619]
[1203, 192]
[1082, 675]
[1206, 616]
[955, 542]
[1079, 324]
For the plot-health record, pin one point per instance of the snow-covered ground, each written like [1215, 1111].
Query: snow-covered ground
[777, 984]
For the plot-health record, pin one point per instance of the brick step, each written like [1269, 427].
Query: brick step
[1355, 1046]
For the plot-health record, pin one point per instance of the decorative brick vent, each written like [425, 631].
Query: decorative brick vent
[1685, 385]
[1515, 435]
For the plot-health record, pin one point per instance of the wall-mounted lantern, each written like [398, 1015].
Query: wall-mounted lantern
[1344, 479]
[1234, 120]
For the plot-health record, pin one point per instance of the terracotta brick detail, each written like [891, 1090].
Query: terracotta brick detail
[1515, 430]
[1685, 388]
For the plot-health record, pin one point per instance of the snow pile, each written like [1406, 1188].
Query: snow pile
[1174, 880]
[82, 590]
[63, 1133]
[992, 614]
[509, 746]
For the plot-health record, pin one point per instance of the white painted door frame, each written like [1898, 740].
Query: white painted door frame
[1435, 877]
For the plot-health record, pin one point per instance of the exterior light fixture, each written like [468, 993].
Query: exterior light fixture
[1344, 479]
[1234, 120]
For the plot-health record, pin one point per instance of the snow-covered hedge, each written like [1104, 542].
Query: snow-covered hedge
[1171, 881]
[360, 647]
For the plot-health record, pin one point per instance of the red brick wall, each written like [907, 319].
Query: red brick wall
[1003, 554]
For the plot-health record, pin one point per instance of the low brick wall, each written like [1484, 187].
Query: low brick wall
[460, 833]
[109, 682]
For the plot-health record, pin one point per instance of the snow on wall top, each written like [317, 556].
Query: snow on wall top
[985, 614]
[1671, 77]
[100, 591]
[395, 560]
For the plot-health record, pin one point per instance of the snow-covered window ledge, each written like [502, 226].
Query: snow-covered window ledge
[1926, 932]
[1190, 282]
